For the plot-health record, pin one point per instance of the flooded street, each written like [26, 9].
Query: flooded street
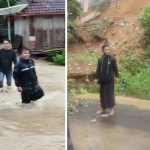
[128, 129]
[39, 125]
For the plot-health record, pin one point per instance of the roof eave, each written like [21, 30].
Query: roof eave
[47, 14]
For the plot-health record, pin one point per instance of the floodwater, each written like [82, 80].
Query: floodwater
[39, 125]
[128, 129]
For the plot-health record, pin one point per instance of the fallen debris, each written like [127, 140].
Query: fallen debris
[94, 120]
[89, 17]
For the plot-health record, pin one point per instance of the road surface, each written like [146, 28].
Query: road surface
[128, 129]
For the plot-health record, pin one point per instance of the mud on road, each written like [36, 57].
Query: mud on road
[38, 125]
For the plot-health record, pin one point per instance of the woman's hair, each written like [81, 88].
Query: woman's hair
[103, 47]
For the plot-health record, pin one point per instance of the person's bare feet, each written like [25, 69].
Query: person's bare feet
[102, 111]
[112, 112]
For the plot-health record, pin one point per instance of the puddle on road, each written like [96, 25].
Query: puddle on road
[135, 102]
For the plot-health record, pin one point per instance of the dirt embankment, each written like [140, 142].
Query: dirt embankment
[124, 33]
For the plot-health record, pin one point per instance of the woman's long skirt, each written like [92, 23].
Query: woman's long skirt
[107, 95]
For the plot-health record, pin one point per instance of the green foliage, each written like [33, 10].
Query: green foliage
[3, 3]
[134, 78]
[99, 27]
[70, 24]
[51, 53]
[60, 59]
[74, 9]
[145, 19]
[71, 39]
[132, 64]
[87, 58]
[135, 85]
[55, 56]
[147, 51]
[74, 90]
[99, 4]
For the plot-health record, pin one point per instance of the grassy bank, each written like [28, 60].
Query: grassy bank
[134, 80]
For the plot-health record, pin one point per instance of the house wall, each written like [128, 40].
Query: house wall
[21, 26]
[49, 30]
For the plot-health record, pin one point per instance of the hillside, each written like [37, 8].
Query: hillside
[124, 34]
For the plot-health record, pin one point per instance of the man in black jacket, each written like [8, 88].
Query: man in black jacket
[25, 78]
[7, 57]
[106, 70]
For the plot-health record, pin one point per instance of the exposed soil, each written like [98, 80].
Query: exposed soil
[125, 35]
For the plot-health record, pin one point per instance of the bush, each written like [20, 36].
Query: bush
[135, 85]
[59, 59]
[132, 64]
[75, 89]
[56, 56]
[71, 39]
[145, 20]
[51, 53]
[147, 51]
[134, 80]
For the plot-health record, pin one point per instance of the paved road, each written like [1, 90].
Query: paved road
[38, 126]
[128, 129]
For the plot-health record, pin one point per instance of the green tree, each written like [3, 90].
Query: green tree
[74, 10]
[3, 3]
[145, 20]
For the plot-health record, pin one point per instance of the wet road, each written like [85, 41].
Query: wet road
[39, 125]
[128, 129]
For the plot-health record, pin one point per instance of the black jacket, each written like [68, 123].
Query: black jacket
[7, 57]
[24, 73]
[106, 69]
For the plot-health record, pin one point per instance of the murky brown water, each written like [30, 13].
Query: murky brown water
[39, 125]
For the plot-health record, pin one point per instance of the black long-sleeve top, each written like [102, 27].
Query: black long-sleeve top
[106, 69]
[7, 57]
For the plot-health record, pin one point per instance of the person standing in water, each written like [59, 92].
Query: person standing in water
[26, 79]
[7, 57]
[106, 69]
